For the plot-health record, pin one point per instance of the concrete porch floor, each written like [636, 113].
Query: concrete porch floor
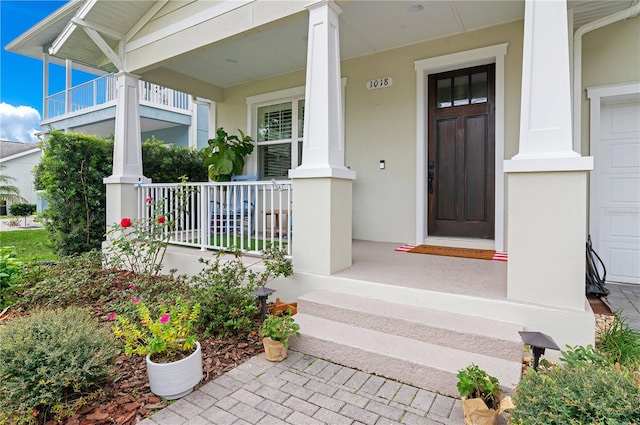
[378, 262]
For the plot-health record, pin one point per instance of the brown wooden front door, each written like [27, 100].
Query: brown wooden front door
[461, 156]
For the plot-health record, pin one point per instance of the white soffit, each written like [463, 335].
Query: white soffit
[365, 27]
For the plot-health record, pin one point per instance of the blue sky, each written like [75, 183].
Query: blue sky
[21, 76]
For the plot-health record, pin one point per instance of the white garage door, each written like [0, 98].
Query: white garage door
[616, 232]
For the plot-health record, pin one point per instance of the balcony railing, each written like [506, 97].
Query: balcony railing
[245, 216]
[102, 91]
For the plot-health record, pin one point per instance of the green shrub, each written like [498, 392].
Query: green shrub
[224, 287]
[74, 280]
[10, 269]
[223, 291]
[81, 280]
[71, 172]
[22, 210]
[49, 358]
[577, 395]
[168, 163]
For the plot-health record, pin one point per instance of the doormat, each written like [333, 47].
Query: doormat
[480, 254]
[405, 248]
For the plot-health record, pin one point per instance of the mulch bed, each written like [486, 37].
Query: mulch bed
[127, 399]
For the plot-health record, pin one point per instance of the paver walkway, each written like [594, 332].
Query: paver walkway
[305, 390]
[625, 299]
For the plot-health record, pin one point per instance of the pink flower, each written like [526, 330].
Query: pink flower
[136, 300]
[125, 222]
[165, 318]
[149, 199]
[161, 220]
[112, 317]
[131, 286]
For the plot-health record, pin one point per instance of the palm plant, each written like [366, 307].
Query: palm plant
[8, 192]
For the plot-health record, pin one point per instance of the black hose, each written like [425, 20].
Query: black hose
[594, 283]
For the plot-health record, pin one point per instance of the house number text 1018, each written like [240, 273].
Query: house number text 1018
[379, 83]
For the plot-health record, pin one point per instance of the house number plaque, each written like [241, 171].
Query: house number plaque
[379, 83]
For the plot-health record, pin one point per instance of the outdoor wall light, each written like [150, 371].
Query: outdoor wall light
[263, 293]
[538, 343]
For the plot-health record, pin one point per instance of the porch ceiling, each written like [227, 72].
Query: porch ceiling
[365, 27]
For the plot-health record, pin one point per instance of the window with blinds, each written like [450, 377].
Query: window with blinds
[279, 126]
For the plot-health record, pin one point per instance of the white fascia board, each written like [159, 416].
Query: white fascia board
[20, 154]
[183, 24]
[44, 24]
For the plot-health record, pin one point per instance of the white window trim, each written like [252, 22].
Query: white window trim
[254, 102]
[286, 95]
[425, 67]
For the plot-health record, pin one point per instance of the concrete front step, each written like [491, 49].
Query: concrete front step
[419, 363]
[466, 333]
[423, 347]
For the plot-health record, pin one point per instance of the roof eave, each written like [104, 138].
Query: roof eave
[19, 45]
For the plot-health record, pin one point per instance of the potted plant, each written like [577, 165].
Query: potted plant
[225, 154]
[276, 331]
[169, 342]
[480, 394]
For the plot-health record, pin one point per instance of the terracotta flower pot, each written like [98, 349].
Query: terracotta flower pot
[176, 379]
[274, 351]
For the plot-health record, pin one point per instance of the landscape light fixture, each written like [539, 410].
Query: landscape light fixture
[538, 343]
[263, 293]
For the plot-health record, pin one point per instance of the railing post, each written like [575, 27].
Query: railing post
[204, 218]
[95, 92]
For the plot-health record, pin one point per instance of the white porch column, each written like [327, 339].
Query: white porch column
[45, 86]
[322, 184]
[547, 196]
[68, 83]
[127, 151]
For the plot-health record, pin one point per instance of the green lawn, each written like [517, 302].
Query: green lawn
[30, 245]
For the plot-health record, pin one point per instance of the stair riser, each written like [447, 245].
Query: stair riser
[419, 375]
[482, 344]
[410, 373]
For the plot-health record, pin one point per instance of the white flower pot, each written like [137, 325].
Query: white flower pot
[176, 379]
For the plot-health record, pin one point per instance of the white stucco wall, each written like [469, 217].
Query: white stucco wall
[21, 169]
[381, 124]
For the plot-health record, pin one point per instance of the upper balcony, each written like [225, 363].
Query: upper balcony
[90, 108]
[101, 93]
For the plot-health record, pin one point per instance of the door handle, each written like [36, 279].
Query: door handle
[431, 177]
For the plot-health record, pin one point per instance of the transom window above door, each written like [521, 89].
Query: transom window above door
[462, 90]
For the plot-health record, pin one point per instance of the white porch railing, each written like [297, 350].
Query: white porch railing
[247, 216]
[102, 91]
